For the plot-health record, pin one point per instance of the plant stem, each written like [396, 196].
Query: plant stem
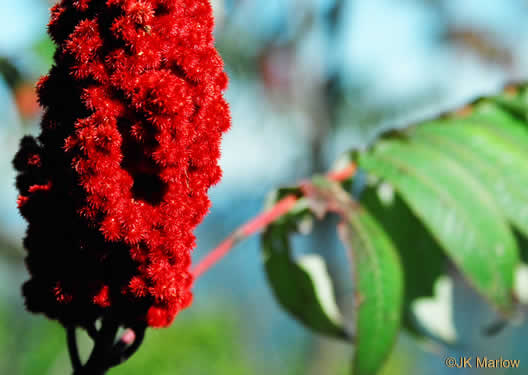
[126, 346]
[99, 359]
[246, 230]
[73, 350]
[260, 222]
[106, 352]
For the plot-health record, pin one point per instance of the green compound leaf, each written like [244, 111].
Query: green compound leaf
[453, 188]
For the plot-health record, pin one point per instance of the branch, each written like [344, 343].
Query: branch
[73, 350]
[260, 222]
[92, 331]
[246, 230]
[127, 345]
[98, 363]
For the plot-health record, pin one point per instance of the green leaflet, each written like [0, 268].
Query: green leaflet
[422, 258]
[460, 213]
[301, 286]
[487, 148]
[379, 291]
[378, 279]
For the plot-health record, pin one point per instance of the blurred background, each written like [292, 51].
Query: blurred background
[309, 80]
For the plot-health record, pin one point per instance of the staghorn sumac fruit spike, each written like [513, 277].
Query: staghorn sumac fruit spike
[117, 180]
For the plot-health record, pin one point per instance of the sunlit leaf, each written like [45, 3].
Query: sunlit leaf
[456, 208]
[422, 259]
[378, 279]
[488, 145]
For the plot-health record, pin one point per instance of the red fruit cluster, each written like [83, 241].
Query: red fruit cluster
[117, 180]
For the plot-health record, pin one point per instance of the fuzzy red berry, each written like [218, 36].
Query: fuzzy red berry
[117, 180]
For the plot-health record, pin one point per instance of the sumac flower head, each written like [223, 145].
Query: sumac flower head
[117, 180]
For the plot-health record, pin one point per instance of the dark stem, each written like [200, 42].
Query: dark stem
[99, 360]
[92, 331]
[123, 351]
[140, 335]
[106, 352]
[73, 350]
